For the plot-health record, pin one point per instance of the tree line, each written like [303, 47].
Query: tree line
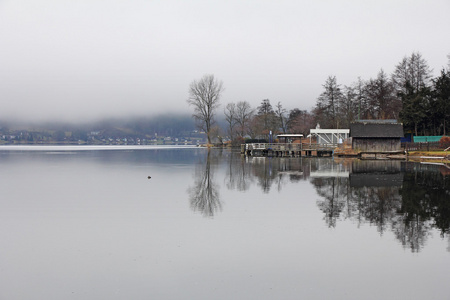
[241, 119]
[410, 95]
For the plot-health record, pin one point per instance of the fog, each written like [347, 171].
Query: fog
[85, 60]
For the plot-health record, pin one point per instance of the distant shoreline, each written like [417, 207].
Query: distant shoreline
[35, 147]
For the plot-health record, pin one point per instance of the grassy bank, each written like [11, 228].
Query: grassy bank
[430, 156]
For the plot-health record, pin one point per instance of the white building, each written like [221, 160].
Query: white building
[329, 136]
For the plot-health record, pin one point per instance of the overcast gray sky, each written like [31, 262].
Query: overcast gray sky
[86, 59]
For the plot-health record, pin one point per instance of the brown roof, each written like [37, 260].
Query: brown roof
[376, 130]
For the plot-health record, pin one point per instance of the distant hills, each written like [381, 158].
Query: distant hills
[161, 129]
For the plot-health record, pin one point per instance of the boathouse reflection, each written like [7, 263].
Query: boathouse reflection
[405, 198]
[408, 199]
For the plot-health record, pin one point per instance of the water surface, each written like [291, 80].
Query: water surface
[87, 223]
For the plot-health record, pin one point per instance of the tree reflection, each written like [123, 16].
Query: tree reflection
[376, 205]
[412, 234]
[243, 171]
[408, 199]
[426, 195]
[264, 171]
[238, 174]
[331, 182]
[204, 195]
[332, 202]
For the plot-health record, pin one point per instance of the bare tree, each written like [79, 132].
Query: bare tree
[401, 76]
[420, 71]
[204, 96]
[361, 99]
[280, 112]
[231, 118]
[327, 103]
[381, 98]
[244, 114]
[448, 64]
[348, 106]
[413, 70]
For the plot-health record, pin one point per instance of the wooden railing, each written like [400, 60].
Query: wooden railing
[288, 147]
[427, 146]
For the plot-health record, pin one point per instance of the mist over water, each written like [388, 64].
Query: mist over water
[87, 222]
[86, 60]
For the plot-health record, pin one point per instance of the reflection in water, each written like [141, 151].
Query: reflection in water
[238, 174]
[204, 195]
[89, 218]
[374, 196]
[408, 199]
[333, 191]
[265, 171]
[425, 194]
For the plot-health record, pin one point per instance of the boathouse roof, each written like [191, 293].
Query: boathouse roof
[375, 129]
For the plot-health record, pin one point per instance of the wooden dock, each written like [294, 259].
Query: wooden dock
[287, 149]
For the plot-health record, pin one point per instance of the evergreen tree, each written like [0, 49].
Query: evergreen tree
[265, 118]
[300, 121]
[441, 95]
[414, 113]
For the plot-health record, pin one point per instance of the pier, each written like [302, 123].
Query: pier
[287, 149]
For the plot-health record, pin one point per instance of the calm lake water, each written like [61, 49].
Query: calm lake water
[87, 223]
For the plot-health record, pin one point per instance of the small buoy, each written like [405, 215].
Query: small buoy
[149, 177]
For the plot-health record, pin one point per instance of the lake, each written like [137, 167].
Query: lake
[86, 222]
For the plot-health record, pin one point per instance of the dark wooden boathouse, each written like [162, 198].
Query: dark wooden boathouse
[376, 136]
